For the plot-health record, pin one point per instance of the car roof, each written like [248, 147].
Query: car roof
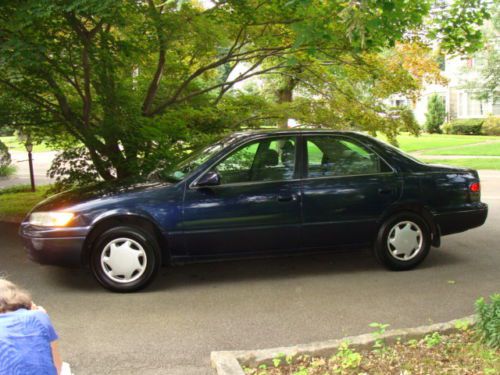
[294, 131]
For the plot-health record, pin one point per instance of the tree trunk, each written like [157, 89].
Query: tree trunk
[285, 95]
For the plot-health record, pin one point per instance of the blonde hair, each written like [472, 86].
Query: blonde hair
[12, 297]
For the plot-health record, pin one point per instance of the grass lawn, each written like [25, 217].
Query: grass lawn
[484, 163]
[410, 143]
[488, 149]
[14, 144]
[15, 202]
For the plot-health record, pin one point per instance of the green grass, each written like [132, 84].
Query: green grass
[17, 201]
[13, 144]
[484, 163]
[488, 149]
[410, 143]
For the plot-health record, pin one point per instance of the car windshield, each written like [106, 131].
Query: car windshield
[197, 158]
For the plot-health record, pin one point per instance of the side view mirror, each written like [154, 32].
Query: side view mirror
[211, 178]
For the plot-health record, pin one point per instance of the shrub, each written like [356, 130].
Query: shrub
[446, 128]
[488, 323]
[6, 170]
[471, 126]
[491, 126]
[6, 131]
[4, 156]
[435, 115]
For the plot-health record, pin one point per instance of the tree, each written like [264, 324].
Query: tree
[139, 82]
[436, 114]
[487, 66]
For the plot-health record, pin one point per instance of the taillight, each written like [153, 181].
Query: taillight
[475, 187]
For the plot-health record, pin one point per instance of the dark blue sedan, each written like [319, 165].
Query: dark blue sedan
[259, 194]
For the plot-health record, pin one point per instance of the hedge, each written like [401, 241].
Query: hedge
[491, 126]
[470, 126]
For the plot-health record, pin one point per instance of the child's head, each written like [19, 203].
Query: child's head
[12, 297]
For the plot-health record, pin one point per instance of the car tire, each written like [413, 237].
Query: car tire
[125, 259]
[403, 241]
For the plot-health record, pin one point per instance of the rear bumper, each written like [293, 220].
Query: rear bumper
[55, 246]
[460, 221]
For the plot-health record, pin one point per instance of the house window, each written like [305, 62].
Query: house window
[474, 107]
[495, 106]
[469, 106]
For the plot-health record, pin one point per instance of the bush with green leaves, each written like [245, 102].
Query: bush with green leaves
[5, 160]
[488, 323]
[6, 131]
[436, 114]
[491, 125]
[470, 126]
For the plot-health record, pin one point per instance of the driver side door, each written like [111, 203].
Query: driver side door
[253, 209]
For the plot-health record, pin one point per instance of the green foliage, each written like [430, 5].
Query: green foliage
[380, 329]
[6, 131]
[462, 325]
[488, 323]
[486, 64]
[491, 125]
[456, 27]
[7, 170]
[5, 158]
[346, 357]
[470, 126]
[72, 167]
[143, 83]
[433, 339]
[436, 113]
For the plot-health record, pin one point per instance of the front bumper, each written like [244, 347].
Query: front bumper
[460, 221]
[55, 246]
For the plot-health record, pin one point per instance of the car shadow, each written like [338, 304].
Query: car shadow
[335, 263]
[261, 269]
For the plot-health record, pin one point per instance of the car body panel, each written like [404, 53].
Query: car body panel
[264, 218]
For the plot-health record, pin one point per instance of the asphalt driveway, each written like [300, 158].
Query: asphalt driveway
[191, 310]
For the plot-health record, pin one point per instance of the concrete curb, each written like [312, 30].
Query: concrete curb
[231, 362]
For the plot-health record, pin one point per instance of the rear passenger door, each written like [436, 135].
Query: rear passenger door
[346, 188]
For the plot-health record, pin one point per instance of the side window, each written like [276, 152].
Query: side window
[336, 156]
[264, 160]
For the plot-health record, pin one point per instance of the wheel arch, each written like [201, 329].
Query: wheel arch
[122, 219]
[419, 209]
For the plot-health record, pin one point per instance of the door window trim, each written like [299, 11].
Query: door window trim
[296, 172]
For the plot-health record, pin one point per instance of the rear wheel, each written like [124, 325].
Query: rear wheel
[125, 259]
[403, 241]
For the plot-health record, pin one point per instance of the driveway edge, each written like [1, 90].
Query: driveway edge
[231, 362]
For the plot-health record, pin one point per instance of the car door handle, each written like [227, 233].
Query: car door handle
[287, 198]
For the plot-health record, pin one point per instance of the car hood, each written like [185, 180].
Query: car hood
[96, 191]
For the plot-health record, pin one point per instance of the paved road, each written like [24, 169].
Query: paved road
[41, 163]
[189, 311]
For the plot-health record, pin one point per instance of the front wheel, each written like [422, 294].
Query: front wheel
[403, 242]
[125, 259]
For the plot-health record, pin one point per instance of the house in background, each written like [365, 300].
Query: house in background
[460, 102]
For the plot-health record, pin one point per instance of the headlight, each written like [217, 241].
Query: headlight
[51, 219]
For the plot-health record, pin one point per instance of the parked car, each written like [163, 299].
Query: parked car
[258, 194]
